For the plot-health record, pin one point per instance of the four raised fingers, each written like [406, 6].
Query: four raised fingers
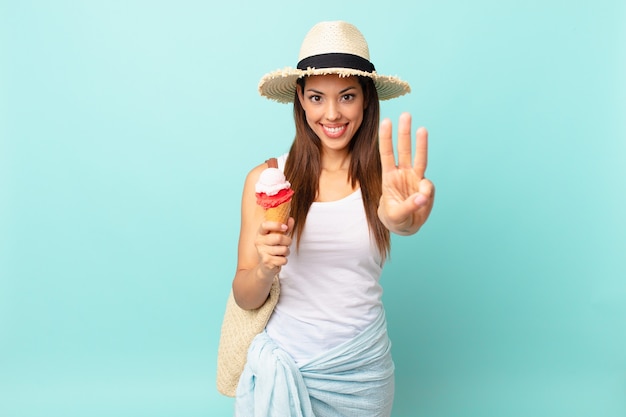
[404, 146]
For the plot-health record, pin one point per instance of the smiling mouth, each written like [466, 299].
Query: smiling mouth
[334, 131]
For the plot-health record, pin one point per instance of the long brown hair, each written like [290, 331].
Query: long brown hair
[303, 165]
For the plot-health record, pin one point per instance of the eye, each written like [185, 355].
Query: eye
[315, 98]
[347, 97]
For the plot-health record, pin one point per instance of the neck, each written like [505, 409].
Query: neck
[336, 161]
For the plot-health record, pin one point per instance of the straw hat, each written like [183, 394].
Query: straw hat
[330, 48]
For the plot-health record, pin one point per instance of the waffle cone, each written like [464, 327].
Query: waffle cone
[279, 213]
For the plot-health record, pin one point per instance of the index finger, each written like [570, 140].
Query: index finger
[385, 146]
[421, 152]
[272, 226]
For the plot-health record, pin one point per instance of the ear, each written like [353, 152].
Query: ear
[300, 94]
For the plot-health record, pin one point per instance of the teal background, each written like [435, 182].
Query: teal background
[126, 130]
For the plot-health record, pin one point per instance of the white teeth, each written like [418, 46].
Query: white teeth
[334, 129]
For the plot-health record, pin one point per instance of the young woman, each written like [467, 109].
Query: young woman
[325, 351]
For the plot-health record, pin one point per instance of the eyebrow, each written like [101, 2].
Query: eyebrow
[345, 90]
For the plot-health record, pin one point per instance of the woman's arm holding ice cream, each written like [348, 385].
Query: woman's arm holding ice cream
[263, 249]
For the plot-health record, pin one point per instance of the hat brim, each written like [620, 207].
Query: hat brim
[280, 85]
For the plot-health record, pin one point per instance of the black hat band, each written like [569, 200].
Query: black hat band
[336, 60]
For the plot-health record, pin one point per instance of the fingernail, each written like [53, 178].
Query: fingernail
[420, 200]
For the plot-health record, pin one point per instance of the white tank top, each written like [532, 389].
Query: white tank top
[330, 289]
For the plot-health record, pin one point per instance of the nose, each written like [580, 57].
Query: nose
[332, 111]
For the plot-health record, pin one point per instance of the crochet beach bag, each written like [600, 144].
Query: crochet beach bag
[239, 327]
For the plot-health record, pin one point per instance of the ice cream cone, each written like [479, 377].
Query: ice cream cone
[273, 193]
[279, 213]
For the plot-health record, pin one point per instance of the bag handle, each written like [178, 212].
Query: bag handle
[272, 162]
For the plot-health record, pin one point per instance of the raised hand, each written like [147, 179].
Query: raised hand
[407, 196]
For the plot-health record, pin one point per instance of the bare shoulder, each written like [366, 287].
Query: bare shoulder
[248, 201]
[253, 175]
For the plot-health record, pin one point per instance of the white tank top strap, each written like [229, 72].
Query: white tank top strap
[281, 161]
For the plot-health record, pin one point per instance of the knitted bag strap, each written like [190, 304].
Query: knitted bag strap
[272, 162]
